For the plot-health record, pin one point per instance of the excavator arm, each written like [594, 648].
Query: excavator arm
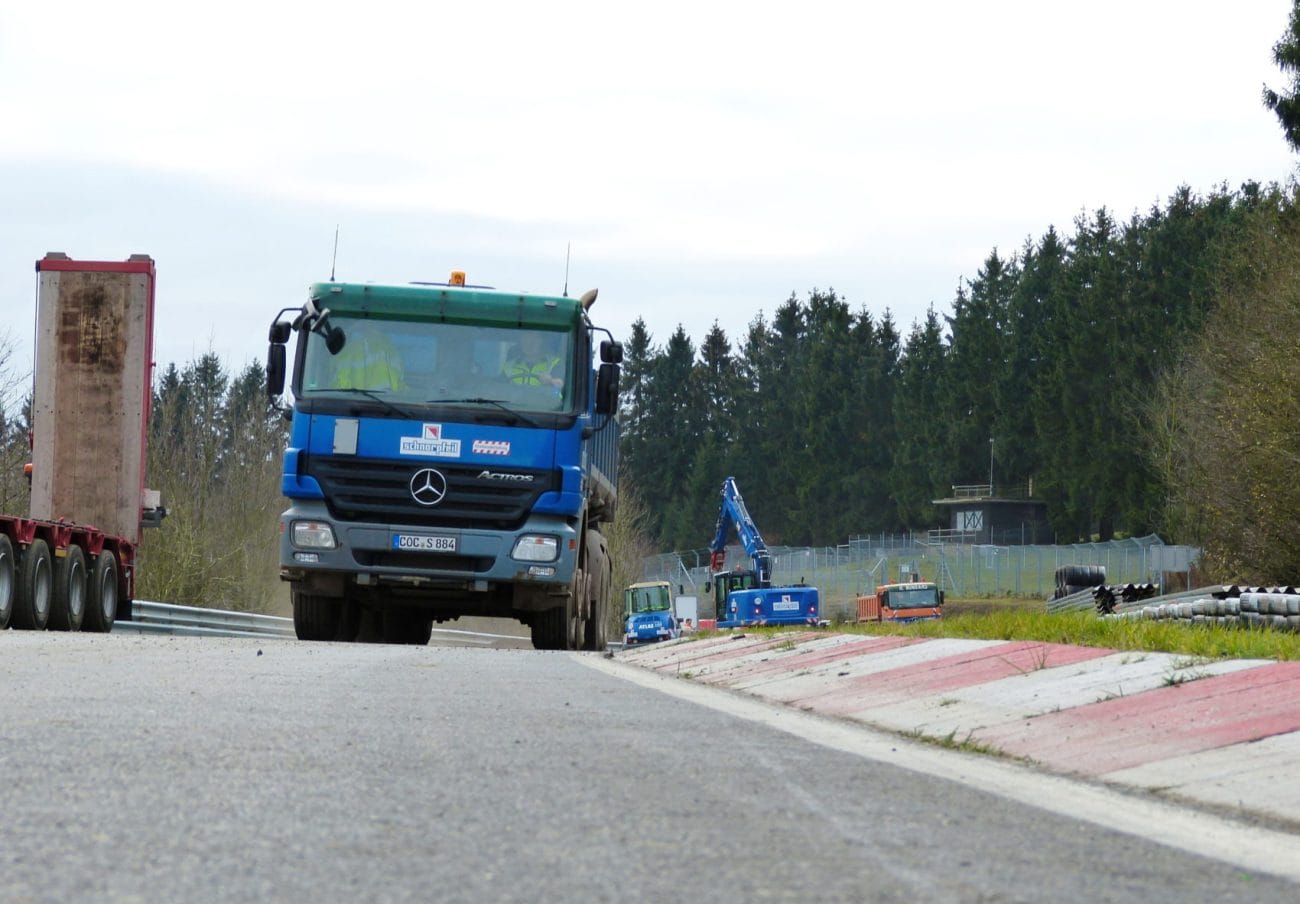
[732, 513]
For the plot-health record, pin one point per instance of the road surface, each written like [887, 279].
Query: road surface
[175, 768]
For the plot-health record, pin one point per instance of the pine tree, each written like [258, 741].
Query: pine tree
[917, 469]
[1286, 105]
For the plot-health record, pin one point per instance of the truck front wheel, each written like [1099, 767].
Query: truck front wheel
[315, 617]
[550, 627]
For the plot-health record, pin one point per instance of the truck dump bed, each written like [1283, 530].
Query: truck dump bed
[93, 389]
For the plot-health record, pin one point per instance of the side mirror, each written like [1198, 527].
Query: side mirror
[607, 388]
[611, 352]
[279, 333]
[335, 338]
[275, 369]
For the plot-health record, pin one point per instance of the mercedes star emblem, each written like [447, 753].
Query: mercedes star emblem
[428, 487]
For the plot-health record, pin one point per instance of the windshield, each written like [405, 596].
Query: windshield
[912, 599]
[418, 362]
[646, 599]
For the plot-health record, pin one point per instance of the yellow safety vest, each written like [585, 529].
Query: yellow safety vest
[369, 364]
[526, 374]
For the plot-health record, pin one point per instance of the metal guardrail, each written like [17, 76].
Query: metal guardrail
[195, 621]
[164, 618]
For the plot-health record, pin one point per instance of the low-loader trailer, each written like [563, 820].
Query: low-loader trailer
[69, 562]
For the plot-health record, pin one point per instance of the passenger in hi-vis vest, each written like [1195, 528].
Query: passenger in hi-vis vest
[368, 360]
[534, 363]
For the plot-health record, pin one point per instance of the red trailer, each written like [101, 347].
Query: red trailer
[70, 562]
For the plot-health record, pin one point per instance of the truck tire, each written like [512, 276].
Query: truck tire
[598, 591]
[579, 600]
[101, 594]
[7, 581]
[68, 600]
[32, 593]
[407, 626]
[315, 617]
[550, 628]
[370, 626]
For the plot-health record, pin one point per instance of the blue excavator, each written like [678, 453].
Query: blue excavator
[745, 597]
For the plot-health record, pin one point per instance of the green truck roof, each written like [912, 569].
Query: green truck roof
[449, 304]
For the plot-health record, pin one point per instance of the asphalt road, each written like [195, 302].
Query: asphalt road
[136, 768]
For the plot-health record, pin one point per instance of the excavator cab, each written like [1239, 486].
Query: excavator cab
[724, 582]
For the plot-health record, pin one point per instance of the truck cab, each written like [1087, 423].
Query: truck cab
[649, 614]
[902, 602]
[453, 451]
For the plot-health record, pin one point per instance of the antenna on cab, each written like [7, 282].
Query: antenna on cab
[334, 260]
[568, 246]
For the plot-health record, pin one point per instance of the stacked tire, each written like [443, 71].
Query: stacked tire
[1070, 579]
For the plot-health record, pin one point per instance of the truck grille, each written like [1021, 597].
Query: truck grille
[427, 562]
[359, 489]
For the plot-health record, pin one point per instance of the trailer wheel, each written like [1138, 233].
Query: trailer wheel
[32, 596]
[68, 601]
[6, 581]
[315, 617]
[101, 594]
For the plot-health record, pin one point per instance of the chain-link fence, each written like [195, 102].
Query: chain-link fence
[843, 572]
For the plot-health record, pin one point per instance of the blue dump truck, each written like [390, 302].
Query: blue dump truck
[453, 451]
[745, 596]
[648, 613]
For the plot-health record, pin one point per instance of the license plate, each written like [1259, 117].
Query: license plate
[423, 543]
[785, 606]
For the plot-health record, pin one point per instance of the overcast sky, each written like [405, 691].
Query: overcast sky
[704, 159]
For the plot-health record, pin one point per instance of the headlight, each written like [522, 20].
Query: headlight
[536, 548]
[313, 535]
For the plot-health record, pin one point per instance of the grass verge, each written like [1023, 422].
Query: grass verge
[1022, 622]
[1024, 619]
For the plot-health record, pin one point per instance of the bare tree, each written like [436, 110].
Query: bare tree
[215, 451]
[1227, 420]
[15, 450]
[629, 544]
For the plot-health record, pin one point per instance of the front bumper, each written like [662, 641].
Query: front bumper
[482, 558]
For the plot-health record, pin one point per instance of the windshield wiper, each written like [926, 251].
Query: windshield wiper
[370, 394]
[481, 401]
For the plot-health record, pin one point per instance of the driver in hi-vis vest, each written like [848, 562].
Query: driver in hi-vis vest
[369, 361]
[533, 364]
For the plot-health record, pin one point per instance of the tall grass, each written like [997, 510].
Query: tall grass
[1087, 629]
[1021, 620]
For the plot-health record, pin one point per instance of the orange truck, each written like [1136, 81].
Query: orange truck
[902, 602]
